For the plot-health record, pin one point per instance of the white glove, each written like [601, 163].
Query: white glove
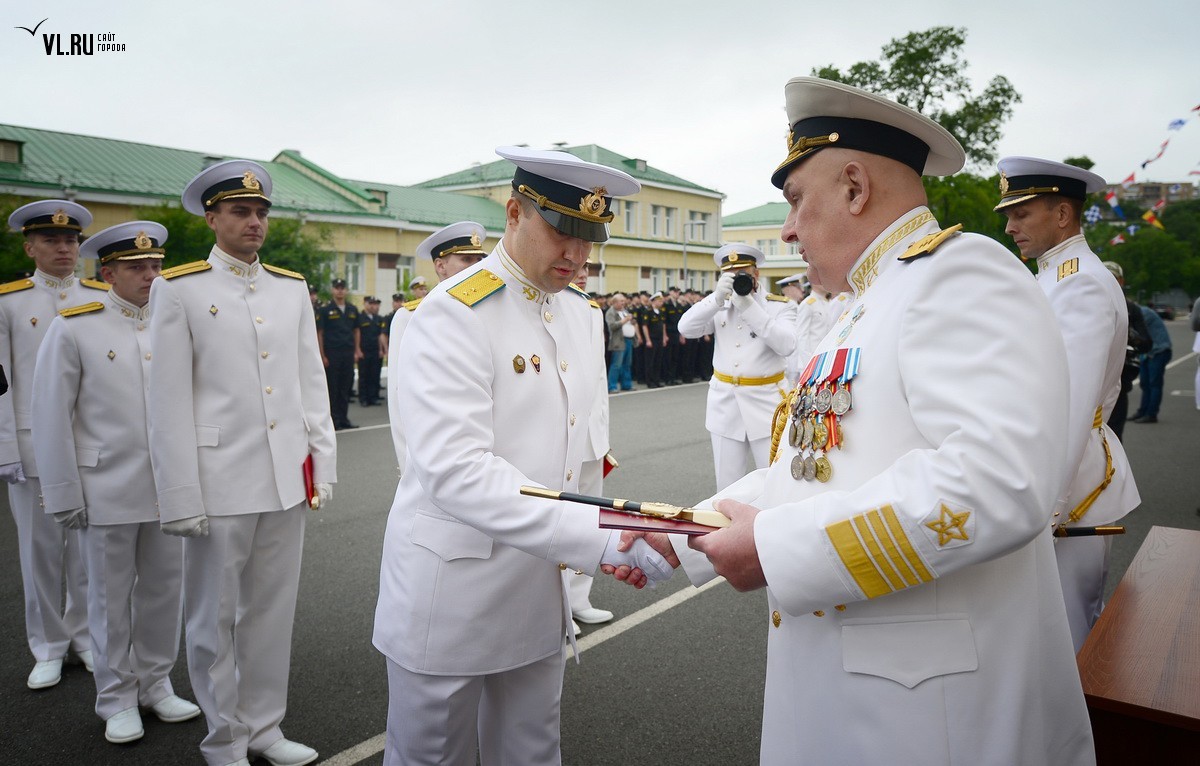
[724, 288]
[75, 519]
[639, 556]
[324, 494]
[196, 526]
[13, 473]
[742, 302]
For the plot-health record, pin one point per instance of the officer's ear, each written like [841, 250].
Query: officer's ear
[857, 185]
[512, 212]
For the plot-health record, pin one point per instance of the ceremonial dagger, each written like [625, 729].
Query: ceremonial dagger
[1111, 529]
[646, 508]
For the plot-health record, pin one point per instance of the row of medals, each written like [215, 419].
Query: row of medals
[816, 428]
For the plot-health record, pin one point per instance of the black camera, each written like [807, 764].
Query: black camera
[743, 283]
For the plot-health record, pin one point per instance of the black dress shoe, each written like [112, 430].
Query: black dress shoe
[344, 426]
[1146, 419]
[1135, 417]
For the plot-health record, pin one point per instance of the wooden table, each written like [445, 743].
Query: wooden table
[1140, 665]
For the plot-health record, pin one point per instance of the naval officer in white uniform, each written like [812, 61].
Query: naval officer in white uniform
[472, 605]
[49, 552]
[238, 404]
[90, 438]
[902, 532]
[753, 335]
[452, 249]
[1043, 202]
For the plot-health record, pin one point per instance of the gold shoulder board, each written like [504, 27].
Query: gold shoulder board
[95, 284]
[16, 287]
[591, 302]
[476, 287]
[86, 308]
[774, 297]
[412, 305]
[810, 299]
[284, 272]
[1067, 268]
[926, 245]
[183, 269]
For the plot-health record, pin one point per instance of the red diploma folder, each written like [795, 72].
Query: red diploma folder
[621, 520]
[310, 489]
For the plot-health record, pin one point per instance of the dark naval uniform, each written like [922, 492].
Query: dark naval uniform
[370, 327]
[337, 327]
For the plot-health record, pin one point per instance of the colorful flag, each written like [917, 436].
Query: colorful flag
[1111, 198]
[1132, 229]
[1093, 214]
[1158, 206]
[1152, 219]
[1175, 188]
[1161, 149]
[1176, 124]
[1127, 182]
[1117, 240]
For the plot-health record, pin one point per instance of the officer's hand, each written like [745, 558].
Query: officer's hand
[742, 302]
[358, 355]
[724, 287]
[73, 519]
[13, 473]
[732, 550]
[324, 494]
[639, 566]
[196, 526]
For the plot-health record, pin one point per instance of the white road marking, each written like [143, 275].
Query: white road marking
[1181, 360]
[366, 749]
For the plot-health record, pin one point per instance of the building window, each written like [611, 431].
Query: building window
[656, 220]
[697, 226]
[10, 151]
[354, 272]
[670, 218]
[630, 217]
[405, 270]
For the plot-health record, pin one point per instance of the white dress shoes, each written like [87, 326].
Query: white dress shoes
[592, 615]
[45, 674]
[173, 709]
[288, 753]
[86, 658]
[241, 762]
[575, 629]
[125, 726]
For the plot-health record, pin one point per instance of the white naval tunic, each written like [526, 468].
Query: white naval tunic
[238, 400]
[471, 580]
[914, 609]
[396, 370]
[90, 438]
[814, 317]
[45, 547]
[1094, 322]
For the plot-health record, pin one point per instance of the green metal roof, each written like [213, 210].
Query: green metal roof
[51, 159]
[501, 171]
[438, 208]
[770, 214]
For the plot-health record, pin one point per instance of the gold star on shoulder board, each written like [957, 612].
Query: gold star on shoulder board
[950, 525]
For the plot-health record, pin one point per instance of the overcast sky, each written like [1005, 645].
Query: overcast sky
[400, 92]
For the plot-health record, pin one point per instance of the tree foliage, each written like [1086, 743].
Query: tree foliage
[925, 71]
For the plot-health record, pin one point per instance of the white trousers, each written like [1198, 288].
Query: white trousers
[239, 597]
[1082, 569]
[47, 550]
[511, 717]
[730, 457]
[134, 574]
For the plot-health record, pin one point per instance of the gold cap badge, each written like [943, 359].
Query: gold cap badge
[593, 204]
[59, 218]
[250, 181]
[142, 241]
[475, 238]
[1003, 183]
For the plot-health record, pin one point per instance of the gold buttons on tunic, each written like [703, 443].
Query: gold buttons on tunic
[258, 319]
[840, 607]
[572, 420]
[271, 425]
[147, 357]
[570, 473]
[776, 618]
[562, 567]
[548, 316]
[252, 288]
[265, 355]
[62, 295]
[563, 365]
[268, 389]
[818, 613]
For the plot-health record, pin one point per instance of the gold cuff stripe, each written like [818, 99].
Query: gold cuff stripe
[544, 201]
[856, 559]
[862, 525]
[893, 553]
[742, 381]
[906, 547]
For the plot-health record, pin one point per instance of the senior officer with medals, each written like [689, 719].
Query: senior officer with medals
[49, 552]
[90, 438]
[1043, 202]
[238, 406]
[753, 334]
[901, 531]
[452, 249]
[472, 601]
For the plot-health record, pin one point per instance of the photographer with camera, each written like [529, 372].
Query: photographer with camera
[753, 333]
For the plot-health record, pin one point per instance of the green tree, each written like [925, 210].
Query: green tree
[14, 263]
[968, 199]
[188, 236]
[1082, 161]
[925, 71]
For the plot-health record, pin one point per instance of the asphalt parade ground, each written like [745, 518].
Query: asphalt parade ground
[675, 678]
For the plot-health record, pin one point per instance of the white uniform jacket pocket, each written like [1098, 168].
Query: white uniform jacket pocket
[450, 539]
[909, 652]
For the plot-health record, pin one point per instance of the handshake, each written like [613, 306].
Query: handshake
[639, 558]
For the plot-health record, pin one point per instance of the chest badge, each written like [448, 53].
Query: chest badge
[814, 410]
[212, 309]
[537, 363]
[519, 364]
[33, 321]
[111, 355]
